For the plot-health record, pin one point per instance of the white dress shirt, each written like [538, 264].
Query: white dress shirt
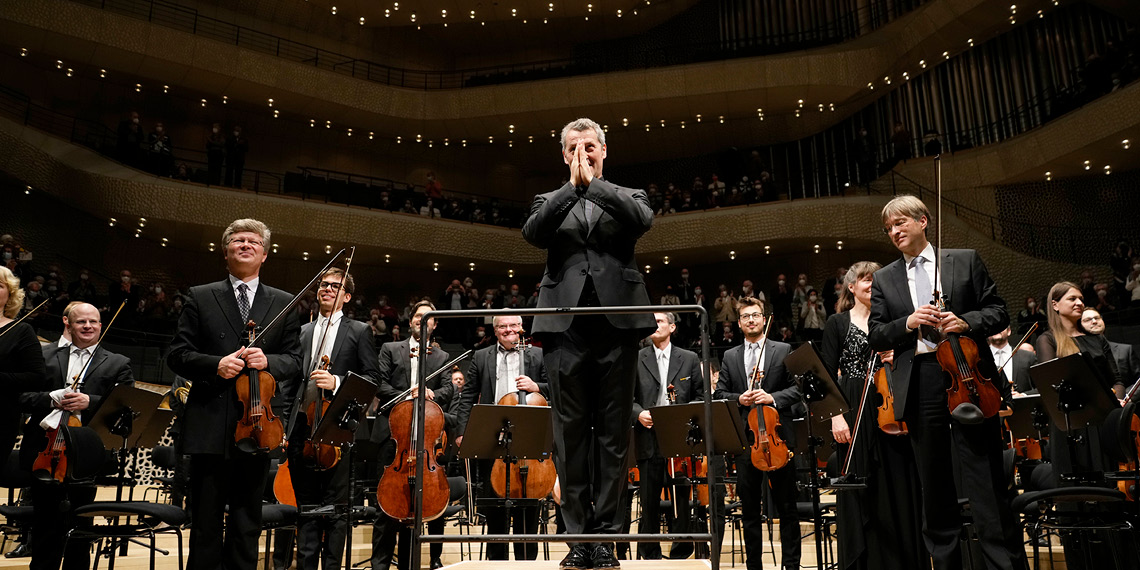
[330, 340]
[920, 298]
[251, 284]
[508, 366]
[663, 373]
[1002, 356]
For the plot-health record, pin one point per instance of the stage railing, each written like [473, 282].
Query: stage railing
[714, 474]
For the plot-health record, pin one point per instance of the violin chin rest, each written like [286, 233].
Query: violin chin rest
[968, 414]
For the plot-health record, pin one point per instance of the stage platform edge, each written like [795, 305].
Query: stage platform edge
[687, 564]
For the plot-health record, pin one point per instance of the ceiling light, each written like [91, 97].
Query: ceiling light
[23, 52]
[491, 140]
[946, 54]
[138, 87]
[387, 258]
[387, 13]
[419, 138]
[510, 273]
[767, 250]
[444, 12]
[839, 244]
[59, 64]
[511, 129]
[662, 123]
[647, 127]
[305, 255]
[1088, 164]
[270, 101]
[514, 12]
[103, 73]
[922, 63]
[371, 135]
[624, 123]
[165, 88]
[473, 14]
[1125, 143]
[203, 102]
[816, 248]
[312, 123]
[350, 132]
[721, 117]
[551, 6]
[647, 269]
[210, 246]
[446, 142]
[1107, 169]
[225, 99]
[471, 266]
[698, 118]
[399, 140]
[334, 10]
[362, 20]
[682, 124]
[1048, 176]
[464, 141]
[112, 222]
[69, 72]
[665, 260]
[801, 103]
[970, 42]
[276, 113]
[619, 13]
[530, 138]
[328, 124]
[435, 267]
[732, 254]
[164, 242]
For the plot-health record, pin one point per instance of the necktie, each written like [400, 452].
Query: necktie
[924, 293]
[80, 362]
[588, 211]
[750, 361]
[663, 377]
[243, 301]
[1002, 359]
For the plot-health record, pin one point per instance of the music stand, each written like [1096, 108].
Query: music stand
[680, 431]
[1024, 422]
[338, 426]
[1074, 397]
[509, 433]
[823, 400]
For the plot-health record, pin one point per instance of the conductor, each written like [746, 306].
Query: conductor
[589, 228]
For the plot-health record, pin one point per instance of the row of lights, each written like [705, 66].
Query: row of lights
[471, 15]
[1087, 165]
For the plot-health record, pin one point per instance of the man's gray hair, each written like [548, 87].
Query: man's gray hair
[247, 225]
[671, 318]
[580, 125]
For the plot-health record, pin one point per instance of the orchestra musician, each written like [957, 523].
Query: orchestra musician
[901, 301]
[21, 359]
[349, 346]
[1127, 360]
[762, 354]
[1016, 364]
[399, 371]
[211, 334]
[663, 368]
[54, 502]
[494, 372]
[887, 511]
[589, 228]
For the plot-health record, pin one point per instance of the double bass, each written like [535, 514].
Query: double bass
[540, 473]
[769, 451]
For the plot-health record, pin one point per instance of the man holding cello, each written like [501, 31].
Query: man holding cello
[502, 369]
[901, 304]
[211, 349]
[753, 374]
[332, 347]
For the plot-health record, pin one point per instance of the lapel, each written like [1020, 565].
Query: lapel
[738, 363]
[653, 388]
[342, 333]
[902, 287]
[96, 359]
[674, 364]
[224, 295]
[595, 215]
[62, 360]
[307, 345]
[490, 363]
[404, 362]
[947, 278]
[259, 309]
[579, 213]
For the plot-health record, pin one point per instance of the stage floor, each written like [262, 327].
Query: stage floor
[689, 564]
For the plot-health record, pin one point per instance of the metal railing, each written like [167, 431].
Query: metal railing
[421, 451]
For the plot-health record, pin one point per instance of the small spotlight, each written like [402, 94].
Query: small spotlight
[647, 269]
[138, 87]
[210, 246]
[328, 249]
[435, 267]
[1048, 176]
[362, 20]
[166, 89]
[732, 254]
[665, 260]
[276, 113]
[1126, 144]
[721, 119]
[305, 255]
[203, 102]
[334, 10]
[23, 52]
[767, 250]
[839, 244]
[387, 258]
[816, 248]
[103, 73]
[1088, 164]
[112, 222]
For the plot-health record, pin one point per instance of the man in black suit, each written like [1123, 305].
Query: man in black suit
[494, 372]
[348, 345]
[666, 374]
[51, 519]
[1014, 365]
[901, 304]
[589, 228]
[399, 370]
[765, 357]
[1127, 360]
[211, 349]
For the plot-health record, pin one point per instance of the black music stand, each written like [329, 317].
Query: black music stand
[509, 433]
[1074, 397]
[1029, 417]
[680, 429]
[337, 427]
[823, 400]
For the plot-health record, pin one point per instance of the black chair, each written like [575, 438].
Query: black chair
[162, 457]
[150, 520]
[18, 511]
[1081, 514]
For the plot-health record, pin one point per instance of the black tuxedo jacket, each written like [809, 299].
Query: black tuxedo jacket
[600, 248]
[353, 350]
[734, 379]
[1021, 363]
[209, 328]
[684, 374]
[395, 376]
[970, 293]
[1127, 362]
[106, 371]
[483, 373]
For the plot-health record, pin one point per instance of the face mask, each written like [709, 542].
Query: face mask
[490, 296]
[237, 133]
[811, 298]
[126, 278]
[696, 291]
[383, 303]
[135, 121]
[1031, 305]
[157, 290]
[514, 292]
[781, 282]
[803, 282]
[468, 283]
[7, 255]
[215, 129]
[480, 334]
[746, 288]
[53, 275]
[83, 277]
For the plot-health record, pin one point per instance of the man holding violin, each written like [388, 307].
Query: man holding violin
[667, 374]
[332, 347]
[761, 358]
[51, 519]
[495, 372]
[901, 304]
[211, 350]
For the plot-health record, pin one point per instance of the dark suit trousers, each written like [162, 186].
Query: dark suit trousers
[750, 485]
[979, 452]
[592, 368]
[652, 473]
[217, 481]
[524, 521]
[320, 538]
[51, 521]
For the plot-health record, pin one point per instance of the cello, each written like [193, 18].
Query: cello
[958, 354]
[769, 451]
[52, 464]
[539, 473]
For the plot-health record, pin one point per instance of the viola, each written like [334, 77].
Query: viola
[51, 464]
[397, 487]
[258, 430]
[769, 451]
[540, 473]
[958, 356]
[322, 456]
[886, 406]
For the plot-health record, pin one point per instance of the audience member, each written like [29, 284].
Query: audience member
[160, 151]
[236, 148]
[131, 140]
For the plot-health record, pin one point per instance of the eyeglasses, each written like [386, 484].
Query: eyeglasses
[513, 327]
[896, 224]
[752, 316]
[330, 285]
[253, 242]
[1091, 319]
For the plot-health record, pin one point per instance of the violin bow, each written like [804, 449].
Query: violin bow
[1017, 348]
[26, 315]
[291, 305]
[760, 357]
[859, 417]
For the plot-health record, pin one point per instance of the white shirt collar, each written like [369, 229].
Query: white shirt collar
[927, 253]
[72, 349]
[252, 284]
[336, 317]
[659, 351]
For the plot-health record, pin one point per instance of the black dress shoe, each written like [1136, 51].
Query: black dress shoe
[20, 551]
[577, 559]
[603, 556]
[436, 563]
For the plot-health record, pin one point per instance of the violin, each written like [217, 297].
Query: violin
[258, 430]
[323, 456]
[886, 407]
[51, 464]
[769, 451]
[540, 473]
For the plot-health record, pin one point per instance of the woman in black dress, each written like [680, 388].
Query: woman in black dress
[21, 360]
[879, 527]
